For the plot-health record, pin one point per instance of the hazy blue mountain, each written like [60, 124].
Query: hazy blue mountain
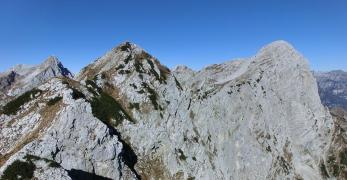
[332, 87]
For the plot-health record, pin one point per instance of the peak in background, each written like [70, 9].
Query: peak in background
[22, 78]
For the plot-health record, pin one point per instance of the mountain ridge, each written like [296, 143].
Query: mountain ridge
[131, 118]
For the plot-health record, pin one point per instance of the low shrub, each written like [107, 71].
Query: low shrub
[181, 155]
[121, 66]
[138, 66]
[134, 105]
[19, 170]
[30, 157]
[103, 76]
[53, 101]
[50, 163]
[343, 157]
[323, 170]
[92, 87]
[124, 71]
[152, 95]
[191, 178]
[76, 94]
[105, 108]
[12, 107]
[65, 82]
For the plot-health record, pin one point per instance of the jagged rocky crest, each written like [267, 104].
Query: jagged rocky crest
[126, 116]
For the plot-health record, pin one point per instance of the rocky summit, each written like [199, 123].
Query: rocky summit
[127, 116]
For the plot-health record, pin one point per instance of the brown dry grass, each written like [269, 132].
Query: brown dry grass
[287, 154]
[335, 162]
[153, 168]
[87, 73]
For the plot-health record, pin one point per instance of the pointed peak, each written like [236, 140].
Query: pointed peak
[54, 63]
[51, 61]
[128, 47]
[125, 46]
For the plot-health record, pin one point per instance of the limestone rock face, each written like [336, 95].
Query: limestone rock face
[126, 116]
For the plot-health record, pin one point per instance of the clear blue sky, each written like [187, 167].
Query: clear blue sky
[194, 33]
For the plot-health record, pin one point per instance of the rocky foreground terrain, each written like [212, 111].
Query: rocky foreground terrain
[126, 116]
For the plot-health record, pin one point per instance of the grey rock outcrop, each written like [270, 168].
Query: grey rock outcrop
[66, 133]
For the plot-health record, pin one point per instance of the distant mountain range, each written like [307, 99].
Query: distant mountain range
[127, 116]
[332, 88]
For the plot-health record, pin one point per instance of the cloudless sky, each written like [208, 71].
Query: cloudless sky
[191, 32]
